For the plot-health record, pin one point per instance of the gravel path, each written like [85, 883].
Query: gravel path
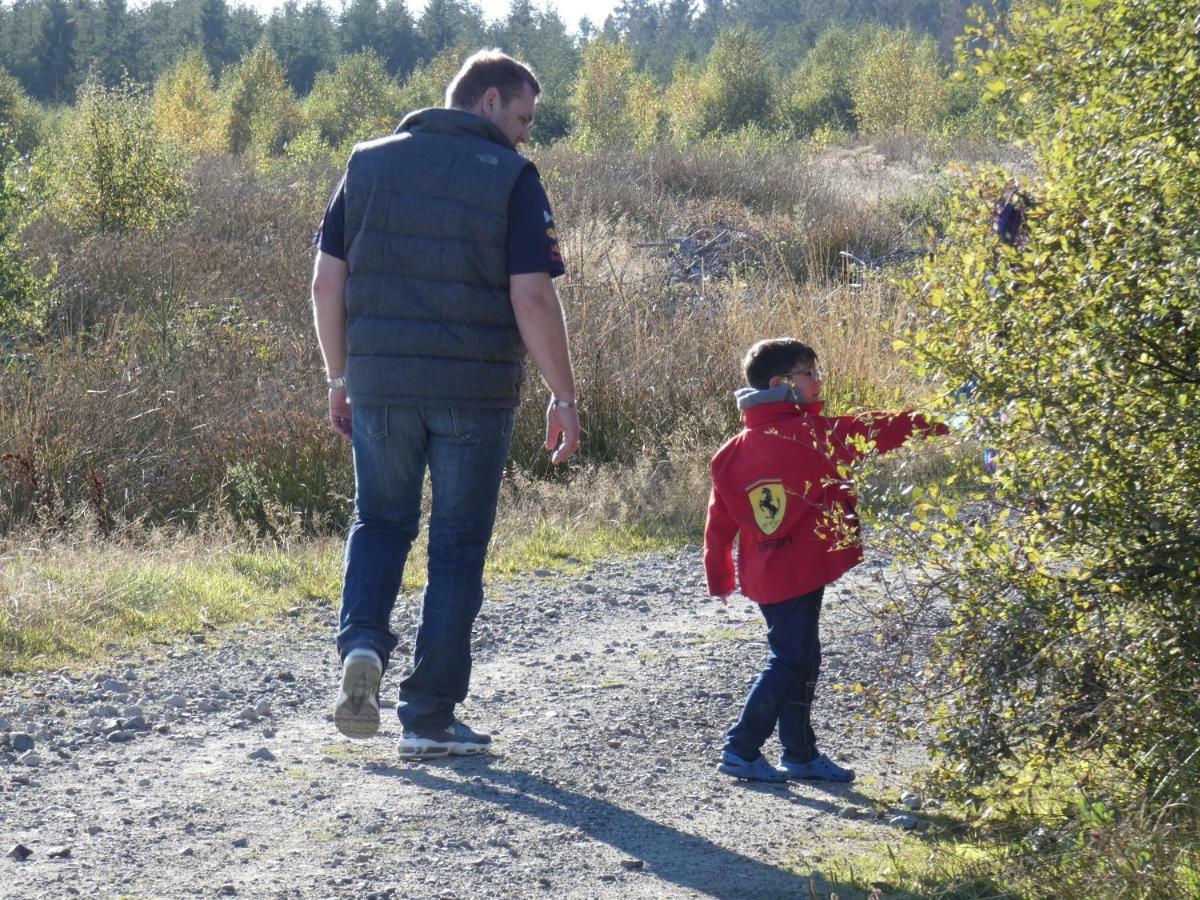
[213, 768]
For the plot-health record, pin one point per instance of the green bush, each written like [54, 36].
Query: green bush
[899, 86]
[735, 88]
[22, 295]
[19, 115]
[612, 102]
[262, 111]
[111, 172]
[1072, 577]
[817, 95]
[356, 101]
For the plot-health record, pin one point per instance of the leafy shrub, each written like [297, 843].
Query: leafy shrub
[899, 86]
[262, 111]
[612, 101]
[735, 88]
[187, 110]
[1073, 619]
[112, 172]
[818, 93]
[426, 86]
[19, 115]
[22, 295]
[358, 100]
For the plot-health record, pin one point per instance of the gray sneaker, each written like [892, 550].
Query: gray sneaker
[356, 714]
[456, 740]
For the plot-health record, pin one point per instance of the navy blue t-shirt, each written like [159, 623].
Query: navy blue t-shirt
[532, 241]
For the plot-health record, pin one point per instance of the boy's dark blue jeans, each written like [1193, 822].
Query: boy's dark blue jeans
[465, 451]
[783, 692]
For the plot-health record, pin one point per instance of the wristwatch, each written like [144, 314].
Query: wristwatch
[562, 404]
[338, 382]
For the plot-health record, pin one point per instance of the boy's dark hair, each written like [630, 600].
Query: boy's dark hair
[774, 356]
[486, 69]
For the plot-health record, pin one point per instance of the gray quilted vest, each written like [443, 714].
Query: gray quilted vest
[429, 319]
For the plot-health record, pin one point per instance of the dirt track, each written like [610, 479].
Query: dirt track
[608, 693]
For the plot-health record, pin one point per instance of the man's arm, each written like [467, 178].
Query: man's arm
[540, 320]
[329, 315]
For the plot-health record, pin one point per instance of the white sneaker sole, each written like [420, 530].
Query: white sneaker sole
[356, 714]
[427, 748]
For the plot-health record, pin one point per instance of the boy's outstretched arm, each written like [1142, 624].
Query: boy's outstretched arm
[883, 431]
[719, 532]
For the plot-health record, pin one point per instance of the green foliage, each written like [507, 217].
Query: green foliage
[262, 111]
[612, 102]
[1072, 576]
[19, 115]
[818, 93]
[898, 88]
[735, 88]
[187, 110]
[22, 295]
[356, 101]
[426, 86]
[112, 172]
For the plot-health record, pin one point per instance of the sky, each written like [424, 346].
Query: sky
[571, 11]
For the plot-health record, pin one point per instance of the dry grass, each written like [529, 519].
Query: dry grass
[180, 383]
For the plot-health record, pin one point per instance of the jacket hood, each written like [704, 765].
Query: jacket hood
[750, 398]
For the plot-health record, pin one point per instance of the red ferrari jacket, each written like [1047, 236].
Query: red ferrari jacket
[782, 486]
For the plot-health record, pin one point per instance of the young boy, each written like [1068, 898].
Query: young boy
[781, 485]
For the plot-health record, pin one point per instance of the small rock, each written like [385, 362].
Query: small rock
[910, 800]
[31, 759]
[241, 843]
[263, 707]
[226, 890]
[187, 851]
[248, 714]
[576, 657]
[908, 823]
[21, 742]
[20, 852]
[264, 754]
[4, 726]
[849, 812]
[112, 686]
[587, 588]
[633, 864]
[59, 853]
[542, 573]
[543, 882]
[94, 830]
[176, 701]
[285, 676]
[121, 736]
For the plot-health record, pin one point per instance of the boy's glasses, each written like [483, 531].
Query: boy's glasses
[811, 372]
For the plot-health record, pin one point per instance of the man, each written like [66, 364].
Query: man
[433, 277]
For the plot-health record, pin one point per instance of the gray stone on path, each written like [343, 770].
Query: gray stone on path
[31, 759]
[59, 853]
[112, 686]
[908, 823]
[21, 742]
[241, 843]
[20, 852]
[4, 726]
[120, 736]
[633, 864]
[910, 800]
[264, 754]
[176, 701]
[94, 830]
[263, 707]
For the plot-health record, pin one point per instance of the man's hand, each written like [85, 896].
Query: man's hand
[562, 431]
[339, 412]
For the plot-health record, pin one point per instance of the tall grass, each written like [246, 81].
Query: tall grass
[180, 382]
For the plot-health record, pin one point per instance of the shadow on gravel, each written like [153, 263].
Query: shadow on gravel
[690, 861]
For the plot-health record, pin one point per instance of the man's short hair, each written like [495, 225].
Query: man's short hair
[772, 357]
[486, 69]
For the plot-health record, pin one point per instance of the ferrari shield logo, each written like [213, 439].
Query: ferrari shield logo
[768, 501]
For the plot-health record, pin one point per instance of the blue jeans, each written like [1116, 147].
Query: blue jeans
[465, 451]
[783, 691]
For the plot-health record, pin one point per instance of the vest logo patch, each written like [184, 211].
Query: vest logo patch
[487, 158]
[768, 502]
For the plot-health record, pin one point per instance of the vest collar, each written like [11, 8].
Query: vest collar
[439, 120]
